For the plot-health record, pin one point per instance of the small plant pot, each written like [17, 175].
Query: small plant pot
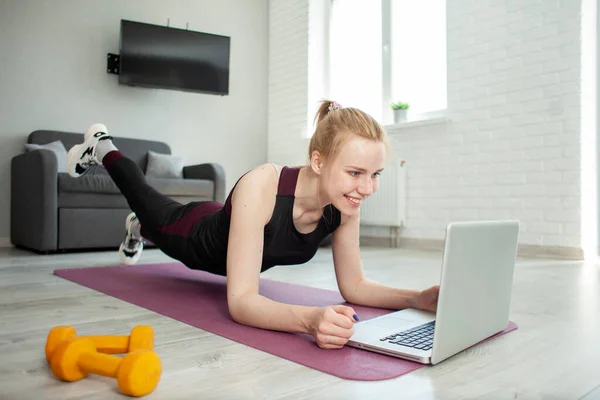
[400, 115]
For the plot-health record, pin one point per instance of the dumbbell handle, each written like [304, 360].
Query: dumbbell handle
[100, 364]
[112, 344]
[141, 338]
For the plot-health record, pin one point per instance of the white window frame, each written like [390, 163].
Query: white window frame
[426, 118]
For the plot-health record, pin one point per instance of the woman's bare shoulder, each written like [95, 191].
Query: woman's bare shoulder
[256, 190]
[263, 175]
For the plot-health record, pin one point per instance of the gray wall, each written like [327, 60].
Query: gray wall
[53, 76]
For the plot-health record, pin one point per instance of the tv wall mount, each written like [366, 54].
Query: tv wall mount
[112, 64]
[112, 60]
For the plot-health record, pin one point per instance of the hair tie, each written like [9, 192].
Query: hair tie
[334, 105]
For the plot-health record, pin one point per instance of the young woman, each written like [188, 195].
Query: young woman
[273, 216]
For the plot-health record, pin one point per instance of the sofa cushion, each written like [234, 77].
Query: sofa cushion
[88, 183]
[103, 183]
[101, 192]
[183, 187]
[57, 148]
[164, 166]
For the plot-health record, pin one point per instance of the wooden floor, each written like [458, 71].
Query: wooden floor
[555, 353]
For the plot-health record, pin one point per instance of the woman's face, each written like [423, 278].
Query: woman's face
[353, 174]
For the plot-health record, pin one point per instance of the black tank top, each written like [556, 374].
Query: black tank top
[283, 244]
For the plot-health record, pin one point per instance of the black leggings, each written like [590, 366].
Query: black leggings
[164, 221]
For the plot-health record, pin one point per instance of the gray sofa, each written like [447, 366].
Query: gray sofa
[51, 211]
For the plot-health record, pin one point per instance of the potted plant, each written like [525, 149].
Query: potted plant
[400, 111]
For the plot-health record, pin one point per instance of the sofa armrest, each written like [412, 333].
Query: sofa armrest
[211, 171]
[34, 200]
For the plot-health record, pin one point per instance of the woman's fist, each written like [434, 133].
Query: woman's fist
[332, 326]
[427, 299]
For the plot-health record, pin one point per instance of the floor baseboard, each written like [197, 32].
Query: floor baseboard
[537, 251]
[524, 250]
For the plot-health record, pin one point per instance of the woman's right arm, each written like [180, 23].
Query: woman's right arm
[252, 205]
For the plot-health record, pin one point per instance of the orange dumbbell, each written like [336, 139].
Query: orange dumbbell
[137, 373]
[141, 338]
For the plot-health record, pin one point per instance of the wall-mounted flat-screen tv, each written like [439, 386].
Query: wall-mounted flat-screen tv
[157, 56]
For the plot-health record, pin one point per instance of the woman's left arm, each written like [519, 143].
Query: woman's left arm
[356, 289]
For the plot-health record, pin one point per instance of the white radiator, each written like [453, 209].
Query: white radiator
[387, 206]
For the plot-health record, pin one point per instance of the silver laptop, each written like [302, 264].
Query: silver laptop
[473, 304]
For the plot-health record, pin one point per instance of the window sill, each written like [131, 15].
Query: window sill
[419, 120]
[418, 123]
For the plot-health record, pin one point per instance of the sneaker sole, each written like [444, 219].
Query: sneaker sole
[76, 152]
[128, 260]
[73, 158]
[128, 220]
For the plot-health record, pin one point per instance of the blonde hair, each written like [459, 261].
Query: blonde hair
[335, 125]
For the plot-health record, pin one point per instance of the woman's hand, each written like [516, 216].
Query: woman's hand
[332, 326]
[427, 299]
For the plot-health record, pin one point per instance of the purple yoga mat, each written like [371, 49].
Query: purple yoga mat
[199, 299]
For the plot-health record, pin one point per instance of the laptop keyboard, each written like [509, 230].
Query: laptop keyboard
[420, 337]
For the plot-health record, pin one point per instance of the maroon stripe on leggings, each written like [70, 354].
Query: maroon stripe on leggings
[183, 225]
[110, 157]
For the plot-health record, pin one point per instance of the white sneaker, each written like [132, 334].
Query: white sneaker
[82, 156]
[132, 246]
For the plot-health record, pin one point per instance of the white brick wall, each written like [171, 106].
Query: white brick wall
[511, 149]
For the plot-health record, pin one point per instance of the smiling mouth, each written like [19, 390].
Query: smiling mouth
[353, 200]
